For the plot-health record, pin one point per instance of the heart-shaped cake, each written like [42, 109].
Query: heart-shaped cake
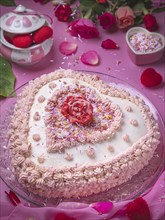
[144, 47]
[73, 135]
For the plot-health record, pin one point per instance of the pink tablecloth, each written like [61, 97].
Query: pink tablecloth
[113, 62]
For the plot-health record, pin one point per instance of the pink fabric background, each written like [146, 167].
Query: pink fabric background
[113, 62]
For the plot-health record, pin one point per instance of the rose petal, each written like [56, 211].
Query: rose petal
[109, 44]
[138, 209]
[102, 207]
[150, 78]
[63, 216]
[13, 198]
[67, 48]
[90, 58]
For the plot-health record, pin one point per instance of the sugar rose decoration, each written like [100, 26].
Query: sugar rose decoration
[77, 110]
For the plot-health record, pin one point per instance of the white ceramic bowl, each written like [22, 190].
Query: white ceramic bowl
[142, 58]
[25, 56]
[22, 20]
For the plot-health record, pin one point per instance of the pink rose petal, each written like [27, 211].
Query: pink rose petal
[90, 58]
[67, 48]
[102, 207]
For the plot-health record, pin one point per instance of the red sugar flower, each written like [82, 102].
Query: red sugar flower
[138, 210]
[150, 78]
[77, 109]
[109, 44]
[63, 12]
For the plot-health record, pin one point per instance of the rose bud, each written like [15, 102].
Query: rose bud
[150, 22]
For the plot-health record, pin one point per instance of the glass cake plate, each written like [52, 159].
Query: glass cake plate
[137, 185]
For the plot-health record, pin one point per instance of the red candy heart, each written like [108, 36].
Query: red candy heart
[22, 41]
[150, 78]
[42, 34]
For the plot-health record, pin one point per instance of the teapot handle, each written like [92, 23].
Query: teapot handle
[50, 19]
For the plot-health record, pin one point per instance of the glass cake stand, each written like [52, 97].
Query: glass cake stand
[137, 185]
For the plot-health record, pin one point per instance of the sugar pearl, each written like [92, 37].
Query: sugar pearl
[41, 99]
[36, 137]
[36, 116]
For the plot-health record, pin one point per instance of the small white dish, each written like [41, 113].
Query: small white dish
[147, 57]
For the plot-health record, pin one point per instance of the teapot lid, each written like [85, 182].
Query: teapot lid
[21, 20]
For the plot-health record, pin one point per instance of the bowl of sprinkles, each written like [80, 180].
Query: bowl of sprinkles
[144, 47]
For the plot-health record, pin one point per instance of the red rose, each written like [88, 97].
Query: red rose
[84, 28]
[77, 109]
[102, 1]
[63, 12]
[107, 20]
[150, 22]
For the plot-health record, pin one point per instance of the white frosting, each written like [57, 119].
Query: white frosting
[85, 169]
[80, 157]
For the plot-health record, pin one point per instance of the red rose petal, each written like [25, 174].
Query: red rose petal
[63, 216]
[90, 58]
[109, 44]
[67, 48]
[150, 78]
[13, 198]
[138, 210]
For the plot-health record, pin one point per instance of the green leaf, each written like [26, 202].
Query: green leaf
[7, 78]
[159, 9]
[87, 3]
[7, 2]
[99, 9]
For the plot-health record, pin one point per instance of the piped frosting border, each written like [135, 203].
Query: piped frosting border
[76, 181]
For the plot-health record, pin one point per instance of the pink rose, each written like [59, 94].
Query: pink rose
[125, 17]
[107, 20]
[84, 28]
